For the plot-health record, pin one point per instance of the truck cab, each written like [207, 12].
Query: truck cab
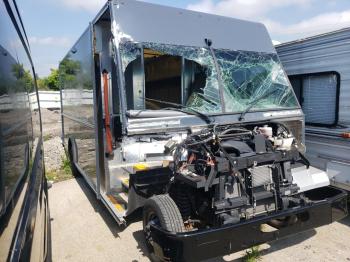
[191, 118]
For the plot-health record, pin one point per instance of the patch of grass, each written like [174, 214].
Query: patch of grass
[47, 137]
[64, 173]
[51, 175]
[252, 255]
[66, 165]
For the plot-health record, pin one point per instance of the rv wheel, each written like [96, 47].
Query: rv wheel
[160, 211]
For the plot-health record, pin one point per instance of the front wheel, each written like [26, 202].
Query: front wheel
[161, 211]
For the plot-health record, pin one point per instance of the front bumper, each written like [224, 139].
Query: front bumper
[208, 243]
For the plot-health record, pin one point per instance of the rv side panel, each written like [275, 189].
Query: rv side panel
[319, 70]
[326, 53]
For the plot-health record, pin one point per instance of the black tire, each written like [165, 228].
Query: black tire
[73, 157]
[161, 211]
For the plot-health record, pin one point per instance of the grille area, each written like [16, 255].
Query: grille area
[261, 176]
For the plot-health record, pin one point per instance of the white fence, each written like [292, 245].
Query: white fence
[17, 101]
[48, 99]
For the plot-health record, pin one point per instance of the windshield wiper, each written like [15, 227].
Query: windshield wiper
[183, 109]
[209, 44]
[253, 103]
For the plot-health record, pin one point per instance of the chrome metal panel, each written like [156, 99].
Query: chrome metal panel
[144, 22]
[22, 185]
[176, 122]
[76, 78]
[103, 36]
[85, 139]
[16, 130]
[138, 82]
[77, 82]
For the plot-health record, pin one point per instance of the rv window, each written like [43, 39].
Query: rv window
[318, 95]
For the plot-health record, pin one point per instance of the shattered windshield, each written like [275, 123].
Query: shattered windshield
[159, 76]
[247, 76]
[164, 66]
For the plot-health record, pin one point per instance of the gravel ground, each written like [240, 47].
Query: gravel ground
[51, 120]
[54, 153]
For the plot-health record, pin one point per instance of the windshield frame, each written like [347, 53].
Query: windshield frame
[224, 111]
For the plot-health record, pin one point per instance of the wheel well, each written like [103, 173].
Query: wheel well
[72, 150]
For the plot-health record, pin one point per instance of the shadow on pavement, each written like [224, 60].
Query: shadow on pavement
[99, 208]
[274, 246]
[141, 243]
[289, 241]
[345, 221]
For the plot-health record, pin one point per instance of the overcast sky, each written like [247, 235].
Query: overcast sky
[54, 25]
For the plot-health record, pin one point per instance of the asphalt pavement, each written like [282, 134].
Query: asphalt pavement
[83, 230]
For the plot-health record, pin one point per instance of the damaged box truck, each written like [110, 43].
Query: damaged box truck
[190, 117]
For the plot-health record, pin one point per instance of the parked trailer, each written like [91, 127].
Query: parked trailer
[193, 120]
[319, 70]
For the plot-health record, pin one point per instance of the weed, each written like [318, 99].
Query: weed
[252, 255]
[62, 174]
[47, 137]
[51, 175]
[65, 166]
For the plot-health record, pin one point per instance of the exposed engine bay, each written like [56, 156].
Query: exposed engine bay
[225, 174]
[241, 173]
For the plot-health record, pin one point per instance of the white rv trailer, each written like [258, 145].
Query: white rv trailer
[319, 71]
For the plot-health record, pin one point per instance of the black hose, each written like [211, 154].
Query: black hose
[237, 130]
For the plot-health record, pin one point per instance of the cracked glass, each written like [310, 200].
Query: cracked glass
[129, 52]
[207, 99]
[248, 76]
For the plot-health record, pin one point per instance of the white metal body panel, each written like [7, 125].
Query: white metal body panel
[143, 22]
[308, 179]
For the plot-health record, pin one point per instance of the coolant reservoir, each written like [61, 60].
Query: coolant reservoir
[266, 131]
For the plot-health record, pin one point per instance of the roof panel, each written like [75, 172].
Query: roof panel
[144, 22]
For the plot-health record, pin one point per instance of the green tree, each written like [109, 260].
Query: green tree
[68, 71]
[52, 81]
[24, 78]
[41, 82]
